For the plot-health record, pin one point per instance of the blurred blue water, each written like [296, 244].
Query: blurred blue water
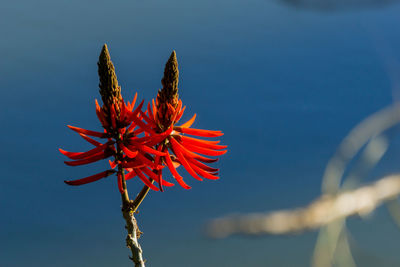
[285, 86]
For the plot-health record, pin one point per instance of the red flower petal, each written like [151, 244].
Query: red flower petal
[142, 125]
[88, 132]
[147, 119]
[150, 150]
[204, 151]
[82, 155]
[113, 116]
[90, 140]
[113, 164]
[202, 166]
[190, 153]
[154, 109]
[189, 122]
[176, 111]
[100, 115]
[145, 180]
[147, 162]
[198, 142]
[130, 175]
[180, 114]
[134, 115]
[133, 164]
[120, 186]
[133, 101]
[198, 132]
[204, 173]
[94, 158]
[151, 115]
[90, 179]
[153, 176]
[174, 173]
[183, 161]
[128, 151]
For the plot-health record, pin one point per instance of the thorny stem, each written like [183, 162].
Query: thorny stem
[128, 211]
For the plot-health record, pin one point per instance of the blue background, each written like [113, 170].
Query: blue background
[285, 85]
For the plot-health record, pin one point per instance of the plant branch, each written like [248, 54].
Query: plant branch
[131, 226]
[139, 198]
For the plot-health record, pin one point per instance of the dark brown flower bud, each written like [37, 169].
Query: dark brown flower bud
[169, 92]
[110, 91]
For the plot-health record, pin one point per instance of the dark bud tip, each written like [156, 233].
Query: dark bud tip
[110, 91]
[170, 80]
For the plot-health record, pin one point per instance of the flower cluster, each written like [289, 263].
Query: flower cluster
[145, 142]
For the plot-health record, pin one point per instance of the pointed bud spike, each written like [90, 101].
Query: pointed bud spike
[109, 88]
[170, 80]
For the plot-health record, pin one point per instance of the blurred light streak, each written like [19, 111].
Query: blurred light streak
[340, 197]
[368, 129]
[325, 210]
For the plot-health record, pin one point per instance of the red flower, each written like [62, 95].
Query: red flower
[180, 149]
[120, 132]
[161, 118]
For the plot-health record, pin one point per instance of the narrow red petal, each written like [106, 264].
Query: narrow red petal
[145, 180]
[113, 116]
[198, 142]
[158, 138]
[170, 166]
[82, 155]
[176, 111]
[150, 150]
[189, 122]
[100, 114]
[173, 171]
[198, 132]
[151, 115]
[96, 157]
[147, 162]
[142, 125]
[113, 164]
[88, 132]
[128, 151]
[180, 114]
[154, 109]
[190, 153]
[90, 140]
[130, 175]
[204, 151]
[134, 101]
[204, 173]
[183, 161]
[137, 110]
[123, 109]
[120, 186]
[147, 119]
[153, 176]
[90, 179]
[133, 164]
[202, 166]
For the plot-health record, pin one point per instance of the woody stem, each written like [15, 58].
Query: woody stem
[130, 220]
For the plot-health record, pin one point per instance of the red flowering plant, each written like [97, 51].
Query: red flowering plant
[143, 143]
